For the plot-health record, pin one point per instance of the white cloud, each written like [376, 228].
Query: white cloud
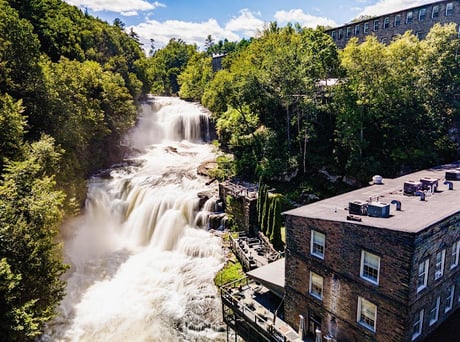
[304, 19]
[388, 6]
[246, 23]
[191, 33]
[121, 6]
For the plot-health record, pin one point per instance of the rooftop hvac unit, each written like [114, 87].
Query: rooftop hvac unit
[411, 187]
[377, 209]
[357, 208]
[453, 175]
[429, 184]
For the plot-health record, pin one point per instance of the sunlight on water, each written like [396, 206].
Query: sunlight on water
[142, 269]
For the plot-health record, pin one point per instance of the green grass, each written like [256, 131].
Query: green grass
[230, 272]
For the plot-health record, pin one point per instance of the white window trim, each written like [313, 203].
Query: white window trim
[436, 307]
[450, 297]
[376, 282]
[312, 252]
[449, 7]
[420, 320]
[312, 274]
[455, 253]
[409, 17]
[422, 10]
[439, 273]
[433, 12]
[426, 266]
[358, 318]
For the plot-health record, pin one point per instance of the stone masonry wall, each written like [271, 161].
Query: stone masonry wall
[342, 284]
[420, 27]
[440, 236]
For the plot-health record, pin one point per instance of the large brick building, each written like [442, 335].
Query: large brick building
[376, 264]
[418, 19]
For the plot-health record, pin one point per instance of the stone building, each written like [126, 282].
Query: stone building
[376, 264]
[418, 19]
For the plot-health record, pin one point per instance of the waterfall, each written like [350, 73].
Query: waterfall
[142, 261]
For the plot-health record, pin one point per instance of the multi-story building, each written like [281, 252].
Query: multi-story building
[418, 19]
[376, 264]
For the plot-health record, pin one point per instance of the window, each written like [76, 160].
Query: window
[334, 35]
[434, 312]
[357, 29]
[449, 298]
[370, 265]
[409, 17]
[367, 314]
[340, 33]
[449, 9]
[366, 27]
[318, 241]
[422, 275]
[422, 14]
[376, 25]
[316, 285]
[348, 31]
[435, 12]
[439, 266]
[418, 325]
[455, 253]
[397, 19]
[386, 23]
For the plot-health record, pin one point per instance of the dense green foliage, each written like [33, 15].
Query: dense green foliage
[289, 105]
[68, 90]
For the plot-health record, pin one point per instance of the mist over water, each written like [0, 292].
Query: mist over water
[142, 260]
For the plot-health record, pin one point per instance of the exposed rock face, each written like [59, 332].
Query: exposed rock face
[205, 168]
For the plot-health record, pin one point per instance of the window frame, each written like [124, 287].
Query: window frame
[409, 17]
[366, 27]
[397, 20]
[455, 253]
[376, 24]
[422, 14]
[435, 309]
[312, 283]
[357, 29]
[362, 272]
[449, 9]
[439, 264]
[362, 304]
[349, 31]
[435, 12]
[312, 244]
[418, 322]
[426, 268]
[386, 23]
[450, 298]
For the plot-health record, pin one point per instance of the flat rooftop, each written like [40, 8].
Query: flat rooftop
[415, 214]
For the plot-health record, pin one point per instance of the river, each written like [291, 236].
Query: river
[142, 261]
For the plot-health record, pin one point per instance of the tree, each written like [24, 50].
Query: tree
[195, 77]
[30, 261]
[275, 237]
[167, 64]
[12, 126]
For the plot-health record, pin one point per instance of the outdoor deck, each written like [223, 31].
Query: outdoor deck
[255, 313]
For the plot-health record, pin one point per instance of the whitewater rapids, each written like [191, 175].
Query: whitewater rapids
[142, 261]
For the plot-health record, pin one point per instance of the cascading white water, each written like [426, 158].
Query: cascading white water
[142, 270]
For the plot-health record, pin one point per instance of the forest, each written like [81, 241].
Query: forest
[290, 110]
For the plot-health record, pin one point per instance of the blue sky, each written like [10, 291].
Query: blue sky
[194, 20]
